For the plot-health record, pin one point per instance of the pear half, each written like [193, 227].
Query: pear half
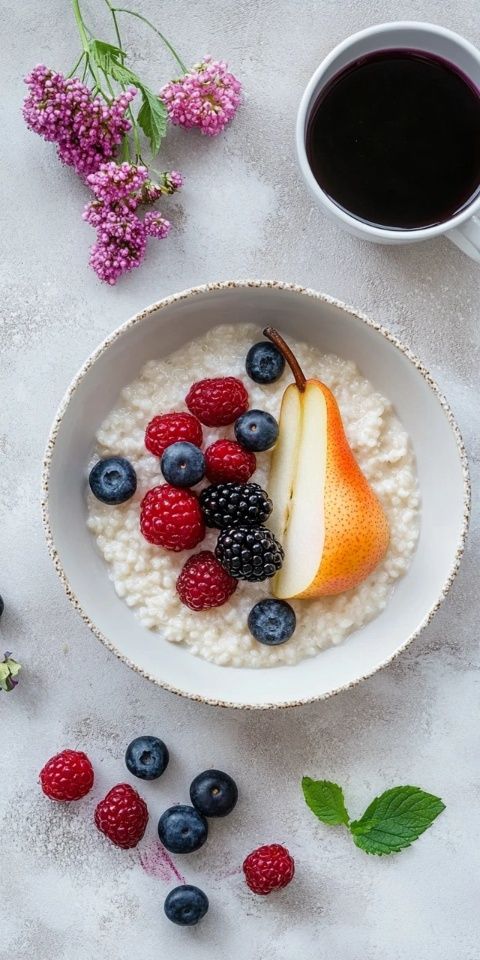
[329, 521]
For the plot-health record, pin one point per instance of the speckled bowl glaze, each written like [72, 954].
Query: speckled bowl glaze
[334, 328]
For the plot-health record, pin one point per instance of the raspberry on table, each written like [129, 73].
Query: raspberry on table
[226, 460]
[169, 428]
[203, 583]
[122, 816]
[218, 401]
[67, 776]
[268, 868]
[171, 517]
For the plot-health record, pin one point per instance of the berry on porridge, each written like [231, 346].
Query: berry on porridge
[324, 513]
[218, 401]
[226, 460]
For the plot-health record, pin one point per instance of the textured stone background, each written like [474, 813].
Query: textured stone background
[65, 893]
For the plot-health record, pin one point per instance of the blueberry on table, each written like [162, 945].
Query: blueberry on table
[183, 464]
[147, 757]
[2, 605]
[272, 621]
[256, 430]
[264, 363]
[186, 905]
[182, 829]
[213, 793]
[113, 480]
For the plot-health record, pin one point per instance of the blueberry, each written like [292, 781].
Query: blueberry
[2, 606]
[183, 464]
[186, 905]
[113, 480]
[213, 793]
[256, 430]
[272, 621]
[264, 362]
[182, 829]
[147, 757]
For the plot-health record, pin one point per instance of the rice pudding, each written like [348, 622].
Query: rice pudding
[145, 575]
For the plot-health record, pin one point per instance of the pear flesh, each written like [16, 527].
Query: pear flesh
[326, 516]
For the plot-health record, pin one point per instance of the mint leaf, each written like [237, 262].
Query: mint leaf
[325, 800]
[152, 118]
[395, 819]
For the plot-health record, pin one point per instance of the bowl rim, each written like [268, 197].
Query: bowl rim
[187, 294]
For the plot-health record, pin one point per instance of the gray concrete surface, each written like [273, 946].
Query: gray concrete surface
[65, 893]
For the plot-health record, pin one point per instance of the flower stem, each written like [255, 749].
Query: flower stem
[164, 40]
[86, 48]
[75, 68]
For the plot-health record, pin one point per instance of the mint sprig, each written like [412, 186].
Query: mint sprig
[326, 801]
[390, 823]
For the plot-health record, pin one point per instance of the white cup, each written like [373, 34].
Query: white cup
[464, 227]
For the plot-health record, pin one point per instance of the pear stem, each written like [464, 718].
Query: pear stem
[274, 336]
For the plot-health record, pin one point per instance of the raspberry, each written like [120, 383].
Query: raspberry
[171, 518]
[226, 460]
[67, 776]
[168, 428]
[122, 816]
[203, 583]
[217, 402]
[268, 868]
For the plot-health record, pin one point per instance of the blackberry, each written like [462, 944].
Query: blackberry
[234, 504]
[249, 553]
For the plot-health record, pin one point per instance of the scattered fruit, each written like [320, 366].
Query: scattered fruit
[268, 868]
[249, 553]
[9, 670]
[272, 621]
[183, 464]
[264, 363]
[203, 583]
[256, 430]
[171, 518]
[234, 504]
[213, 793]
[182, 829]
[147, 757]
[169, 428]
[217, 401]
[226, 460]
[122, 816]
[67, 776]
[330, 522]
[186, 905]
[113, 480]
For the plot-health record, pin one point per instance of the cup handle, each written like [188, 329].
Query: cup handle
[467, 237]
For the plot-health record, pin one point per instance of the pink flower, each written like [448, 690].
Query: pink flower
[120, 246]
[121, 234]
[116, 181]
[206, 97]
[61, 109]
[156, 225]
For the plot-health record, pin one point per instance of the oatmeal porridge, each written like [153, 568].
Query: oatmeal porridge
[145, 575]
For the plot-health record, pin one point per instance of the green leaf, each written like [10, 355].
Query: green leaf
[152, 118]
[395, 819]
[105, 54]
[123, 74]
[325, 800]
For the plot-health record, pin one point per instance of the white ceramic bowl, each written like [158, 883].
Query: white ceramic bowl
[334, 328]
